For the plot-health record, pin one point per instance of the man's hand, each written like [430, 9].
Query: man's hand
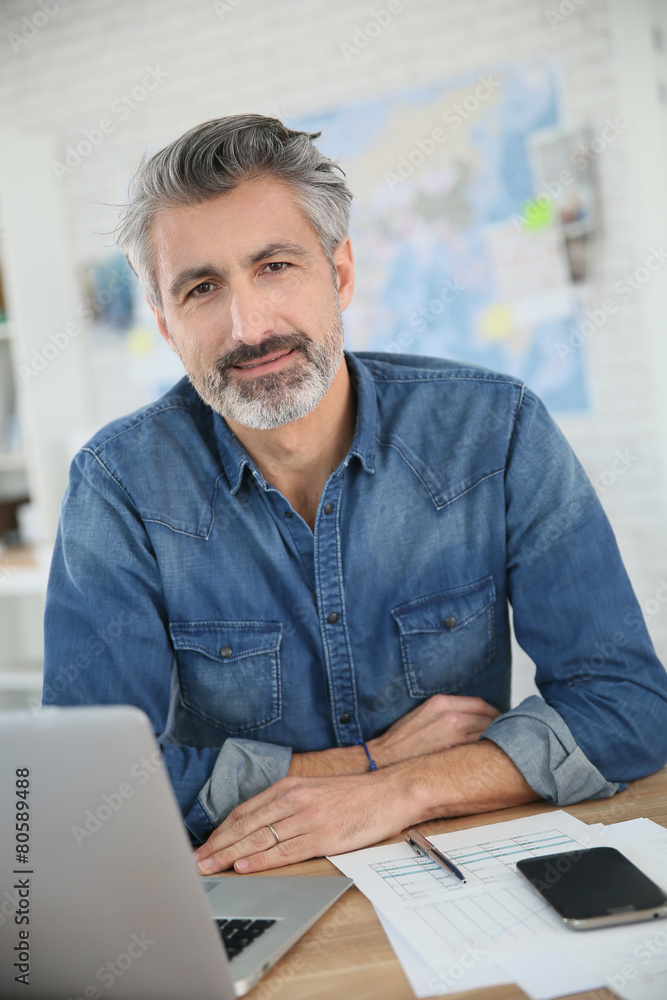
[312, 817]
[445, 720]
[317, 816]
[442, 721]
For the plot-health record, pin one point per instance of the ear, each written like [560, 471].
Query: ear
[344, 261]
[162, 326]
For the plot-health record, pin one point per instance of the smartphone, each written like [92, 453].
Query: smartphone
[594, 887]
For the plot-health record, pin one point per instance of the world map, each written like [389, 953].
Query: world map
[449, 260]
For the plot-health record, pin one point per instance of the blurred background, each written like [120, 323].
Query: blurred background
[508, 161]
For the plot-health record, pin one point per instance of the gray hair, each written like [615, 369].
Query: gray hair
[214, 158]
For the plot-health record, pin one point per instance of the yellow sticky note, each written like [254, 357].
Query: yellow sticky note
[140, 342]
[497, 322]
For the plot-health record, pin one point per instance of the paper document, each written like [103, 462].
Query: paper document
[493, 916]
[423, 979]
[495, 928]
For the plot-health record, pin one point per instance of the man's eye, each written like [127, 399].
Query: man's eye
[200, 290]
[277, 266]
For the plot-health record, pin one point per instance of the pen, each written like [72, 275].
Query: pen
[420, 845]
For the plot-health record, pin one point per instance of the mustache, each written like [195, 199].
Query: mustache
[246, 354]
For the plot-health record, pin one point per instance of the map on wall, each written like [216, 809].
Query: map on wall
[449, 261]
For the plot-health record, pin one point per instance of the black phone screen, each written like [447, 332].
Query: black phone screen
[595, 882]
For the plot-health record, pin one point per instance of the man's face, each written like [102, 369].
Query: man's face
[250, 302]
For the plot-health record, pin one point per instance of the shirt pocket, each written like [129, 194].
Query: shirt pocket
[446, 638]
[229, 672]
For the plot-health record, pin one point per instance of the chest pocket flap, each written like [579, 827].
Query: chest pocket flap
[229, 672]
[446, 638]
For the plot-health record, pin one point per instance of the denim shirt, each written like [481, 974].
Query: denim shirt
[184, 583]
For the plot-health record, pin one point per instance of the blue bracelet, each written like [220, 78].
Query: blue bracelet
[372, 766]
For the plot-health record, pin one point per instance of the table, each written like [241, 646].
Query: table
[346, 955]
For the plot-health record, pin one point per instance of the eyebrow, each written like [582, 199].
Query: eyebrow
[184, 278]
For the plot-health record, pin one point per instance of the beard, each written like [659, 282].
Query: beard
[275, 398]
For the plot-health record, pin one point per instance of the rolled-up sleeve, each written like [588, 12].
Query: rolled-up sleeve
[243, 769]
[546, 753]
[603, 717]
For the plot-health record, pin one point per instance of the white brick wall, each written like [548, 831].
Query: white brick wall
[285, 58]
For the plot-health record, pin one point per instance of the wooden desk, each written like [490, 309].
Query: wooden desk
[346, 955]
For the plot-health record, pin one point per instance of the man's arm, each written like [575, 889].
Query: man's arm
[439, 722]
[107, 640]
[319, 816]
[602, 718]
[242, 765]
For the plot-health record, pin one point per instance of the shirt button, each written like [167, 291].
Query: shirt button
[345, 717]
[288, 513]
[450, 622]
[328, 508]
[332, 617]
[225, 651]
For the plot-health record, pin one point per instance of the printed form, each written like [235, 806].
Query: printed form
[495, 928]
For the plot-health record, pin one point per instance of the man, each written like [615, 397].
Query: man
[303, 549]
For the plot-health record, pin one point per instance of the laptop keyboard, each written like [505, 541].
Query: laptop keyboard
[238, 934]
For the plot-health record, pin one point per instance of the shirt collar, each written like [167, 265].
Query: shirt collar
[363, 442]
[235, 458]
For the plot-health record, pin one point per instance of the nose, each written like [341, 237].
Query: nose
[252, 316]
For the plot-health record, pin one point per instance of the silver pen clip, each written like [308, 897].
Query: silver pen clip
[424, 848]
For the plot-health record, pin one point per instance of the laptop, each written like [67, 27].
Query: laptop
[99, 895]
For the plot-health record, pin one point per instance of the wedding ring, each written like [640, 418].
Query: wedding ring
[274, 833]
